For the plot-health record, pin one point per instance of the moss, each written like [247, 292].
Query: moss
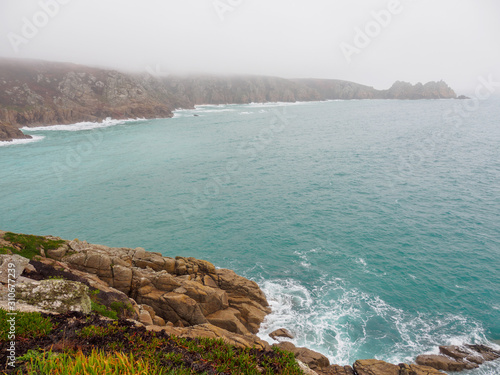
[103, 310]
[29, 246]
[7, 250]
[121, 307]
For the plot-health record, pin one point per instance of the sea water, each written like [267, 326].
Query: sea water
[372, 226]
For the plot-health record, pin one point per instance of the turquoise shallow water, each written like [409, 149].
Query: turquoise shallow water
[372, 226]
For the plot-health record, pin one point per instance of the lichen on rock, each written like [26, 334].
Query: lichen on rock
[55, 295]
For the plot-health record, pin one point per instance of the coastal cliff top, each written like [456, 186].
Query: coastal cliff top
[93, 304]
[38, 93]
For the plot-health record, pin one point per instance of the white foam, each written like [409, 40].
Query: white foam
[361, 261]
[275, 104]
[202, 110]
[35, 138]
[326, 318]
[79, 126]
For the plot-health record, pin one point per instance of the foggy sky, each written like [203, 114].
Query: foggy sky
[420, 41]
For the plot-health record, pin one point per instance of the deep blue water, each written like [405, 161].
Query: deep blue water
[372, 226]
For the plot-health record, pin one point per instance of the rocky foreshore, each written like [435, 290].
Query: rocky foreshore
[180, 296]
[41, 93]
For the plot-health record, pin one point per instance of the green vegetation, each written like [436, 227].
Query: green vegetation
[98, 331]
[78, 344]
[97, 362]
[29, 246]
[7, 250]
[121, 307]
[28, 325]
[114, 311]
[103, 310]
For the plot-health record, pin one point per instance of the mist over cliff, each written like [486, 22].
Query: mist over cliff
[34, 93]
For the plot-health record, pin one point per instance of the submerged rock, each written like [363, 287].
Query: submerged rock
[280, 333]
[9, 133]
[459, 358]
[377, 367]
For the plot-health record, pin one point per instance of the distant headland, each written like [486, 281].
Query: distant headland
[37, 93]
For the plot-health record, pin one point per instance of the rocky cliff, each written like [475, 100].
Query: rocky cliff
[337, 89]
[34, 93]
[185, 297]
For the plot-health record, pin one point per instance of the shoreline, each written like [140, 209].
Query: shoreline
[41, 93]
[111, 121]
[181, 296]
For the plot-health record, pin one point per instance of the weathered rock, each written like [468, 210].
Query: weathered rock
[375, 367]
[55, 295]
[286, 345]
[209, 299]
[11, 267]
[185, 307]
[461, 354]
[442, 362]
[311, 358]
[211, 331]
[305, 368]
[122, 278]
[337, 370]
[484, 351]
[184, 291]
[9, 133]
[405, 369]
[158, 321]
[58, 253]
[47, 268]
[209, 281]
[238, 286]
[145, 318]
[144, 259]
[149, 309]
[281, 332]
[229, 320]
[165, 281]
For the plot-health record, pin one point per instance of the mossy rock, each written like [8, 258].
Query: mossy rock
[28, 245]
[55, 295]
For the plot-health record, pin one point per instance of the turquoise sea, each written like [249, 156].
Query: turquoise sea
[372, 226]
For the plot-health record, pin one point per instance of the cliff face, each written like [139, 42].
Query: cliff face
[43, 93]
[336, 89]
[431, 90]
[8, 133]
[34, 93]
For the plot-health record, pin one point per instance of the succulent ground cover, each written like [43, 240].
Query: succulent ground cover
[75, 343]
